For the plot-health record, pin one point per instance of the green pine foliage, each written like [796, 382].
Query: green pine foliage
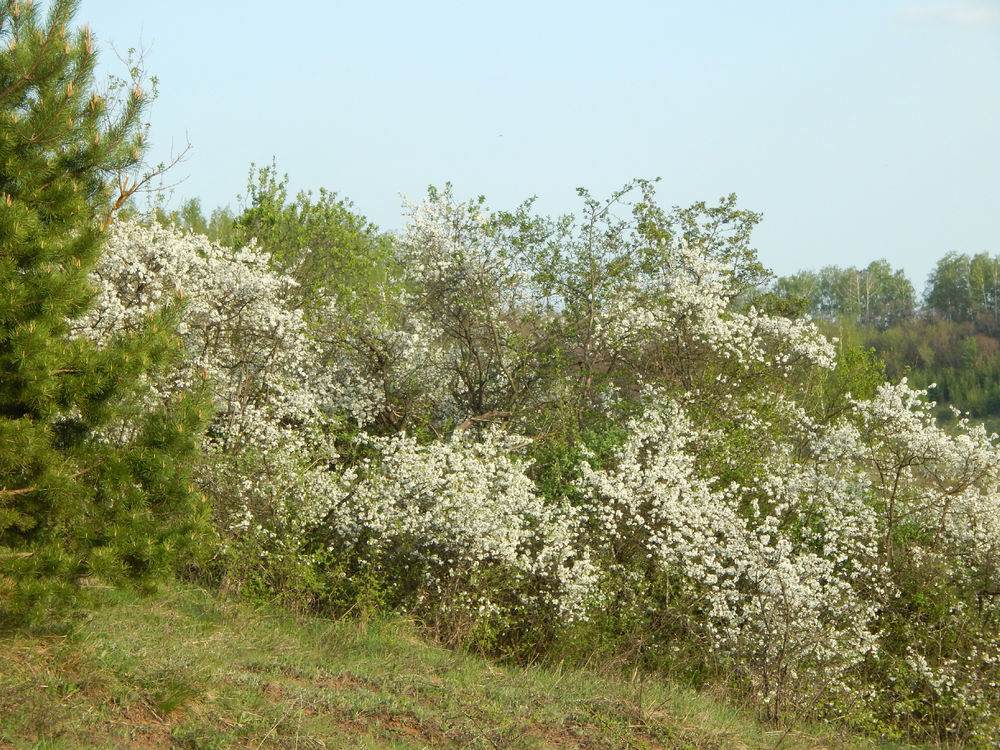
[94, 472]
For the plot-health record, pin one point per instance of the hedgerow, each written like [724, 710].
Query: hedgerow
[589, 433]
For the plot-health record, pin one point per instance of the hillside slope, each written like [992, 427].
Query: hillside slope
[187, 669]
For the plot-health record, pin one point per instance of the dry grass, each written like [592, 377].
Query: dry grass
[186, 669]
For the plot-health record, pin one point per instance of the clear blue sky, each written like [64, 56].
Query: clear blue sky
[860, 128]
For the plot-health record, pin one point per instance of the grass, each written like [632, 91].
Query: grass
[188, 669]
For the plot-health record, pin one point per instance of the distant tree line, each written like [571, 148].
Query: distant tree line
[962, 288]
[877, 296]
[949, 337]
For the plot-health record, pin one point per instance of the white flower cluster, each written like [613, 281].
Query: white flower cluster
[462, 505]
[779, 584]
[274, 397]
[961, 686]
[398, 370]
[690, 301]
[945, 482]
[281, 396]
[471, 305]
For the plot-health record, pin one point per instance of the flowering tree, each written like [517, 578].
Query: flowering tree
[274, 399]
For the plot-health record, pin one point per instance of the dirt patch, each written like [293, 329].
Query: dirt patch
[143, 727]
[407, 725]
[345, 681]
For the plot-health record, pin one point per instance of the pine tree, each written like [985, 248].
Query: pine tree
[94, 472]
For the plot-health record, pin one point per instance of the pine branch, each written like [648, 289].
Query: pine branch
[4, 492]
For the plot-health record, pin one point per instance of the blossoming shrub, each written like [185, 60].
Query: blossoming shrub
[475, 310]
[937, 495]
[413, 525]
[460, 530]
[808, 554]
[633, 458]
[270, 438]
[733, 537]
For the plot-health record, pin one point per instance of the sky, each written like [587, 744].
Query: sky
[860, 129]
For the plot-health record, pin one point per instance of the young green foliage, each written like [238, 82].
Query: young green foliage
[93, 470]
[333, 252]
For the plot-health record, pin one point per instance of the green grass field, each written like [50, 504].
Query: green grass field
[188, 669]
